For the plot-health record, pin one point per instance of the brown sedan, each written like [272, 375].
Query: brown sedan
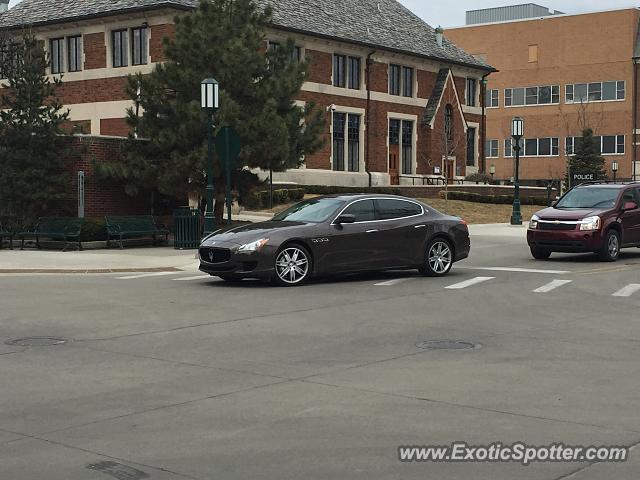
[338, 234]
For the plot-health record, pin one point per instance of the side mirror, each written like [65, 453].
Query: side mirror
[346, 218]
[630, 206]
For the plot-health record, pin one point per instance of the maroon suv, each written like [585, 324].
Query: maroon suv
[595, 217]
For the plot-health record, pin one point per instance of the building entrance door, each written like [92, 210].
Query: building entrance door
[449, 168]
[394, 164]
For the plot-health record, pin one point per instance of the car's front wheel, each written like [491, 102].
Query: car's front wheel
[540, 253]
[292, 266]
[439, 258]
[610, 250]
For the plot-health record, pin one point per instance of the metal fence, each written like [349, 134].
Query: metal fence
[187, 228]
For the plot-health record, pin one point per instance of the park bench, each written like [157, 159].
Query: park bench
[121, 228]
[6, 233]
[65, 229]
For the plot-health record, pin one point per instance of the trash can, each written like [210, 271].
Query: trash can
[187, 227]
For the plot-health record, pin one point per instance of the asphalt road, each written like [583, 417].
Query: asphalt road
[174, 375]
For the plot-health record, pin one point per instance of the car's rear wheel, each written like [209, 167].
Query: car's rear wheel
[292, 266]
[439, 258]
[610, 250]
[540, 253]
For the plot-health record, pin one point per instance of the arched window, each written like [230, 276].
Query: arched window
[448, 122]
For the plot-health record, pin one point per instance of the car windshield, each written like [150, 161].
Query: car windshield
[315, 210]
[589, 198]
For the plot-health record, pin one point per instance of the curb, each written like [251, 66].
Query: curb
[89, 271]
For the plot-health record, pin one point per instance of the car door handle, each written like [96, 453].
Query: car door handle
[420, 226]
[372, 231]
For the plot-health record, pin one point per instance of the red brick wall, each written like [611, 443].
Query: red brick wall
[426, 82]
[380, 77]
[102, 198]
[156, 42]
[116, 127]
[320, 66]
[95, 50]
[89, 91]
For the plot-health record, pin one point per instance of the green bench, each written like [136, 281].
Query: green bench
[65, 229]
[121, 228]
[6, 233]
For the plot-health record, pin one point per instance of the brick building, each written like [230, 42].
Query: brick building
[559, 72]
[385, 80]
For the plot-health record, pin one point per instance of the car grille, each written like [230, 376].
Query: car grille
[215, 255]
[556, 226]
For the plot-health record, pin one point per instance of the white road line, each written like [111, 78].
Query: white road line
[628, 290]
[188, 279]
[390, 283]
[552, 286]
[516, 269]
[147, 275]
[468, 283]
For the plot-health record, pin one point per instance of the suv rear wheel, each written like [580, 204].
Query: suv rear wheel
[540, 253]
[610, 250]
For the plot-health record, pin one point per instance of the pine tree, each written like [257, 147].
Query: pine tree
[33, 177]
[586, 157]
[225, 40]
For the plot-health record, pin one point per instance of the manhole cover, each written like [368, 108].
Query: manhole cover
[37, 341]
[447, 345]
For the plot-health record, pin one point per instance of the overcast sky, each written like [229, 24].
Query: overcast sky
[451, 14]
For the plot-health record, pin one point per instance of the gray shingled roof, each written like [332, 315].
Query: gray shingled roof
[384, 24]
[436, 93]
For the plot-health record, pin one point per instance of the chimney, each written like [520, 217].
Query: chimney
[4, 6]
[439, 33]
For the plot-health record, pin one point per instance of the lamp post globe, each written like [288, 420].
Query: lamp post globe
[517, 132]
[209, 98]
[614, 169]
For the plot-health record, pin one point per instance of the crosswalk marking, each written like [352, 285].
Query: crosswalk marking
[390, 283]
[188, 279]
[628, 290]
[468, 283]
[552, 286]
[147, 275]
[515, 269]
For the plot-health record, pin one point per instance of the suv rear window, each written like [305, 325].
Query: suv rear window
[590, 197]
[389, 209]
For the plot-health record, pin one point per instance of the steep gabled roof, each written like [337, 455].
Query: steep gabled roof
[378, 24]
[435, 99]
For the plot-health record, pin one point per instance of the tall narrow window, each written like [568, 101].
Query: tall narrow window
[120, 48]
[353, 145]
[407, 81]
[448, 125]
[394, 132]
[394, 79]
[471, 91]
[354, 73]
[339, 124]
[57, 55]
[139, 46]
[339, 71]
[471, 147]
[491, 148]
[74, 49]
[407, 147]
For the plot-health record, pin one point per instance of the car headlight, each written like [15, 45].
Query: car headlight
[533, 223]
[254, 246]
[590, 224]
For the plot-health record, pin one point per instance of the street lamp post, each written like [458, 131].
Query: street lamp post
[614, 169]
[210, 103]
[517, 131]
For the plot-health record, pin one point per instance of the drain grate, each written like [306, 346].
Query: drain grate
[37, 341]
[447, 345]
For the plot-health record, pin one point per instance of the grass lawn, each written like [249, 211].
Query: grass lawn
[475, 213]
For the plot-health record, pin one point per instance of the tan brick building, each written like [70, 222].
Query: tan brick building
[560, 73]
[385, 79]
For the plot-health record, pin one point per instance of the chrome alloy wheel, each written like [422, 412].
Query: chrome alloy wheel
[439, 257]
[613, 246]
[292, 265]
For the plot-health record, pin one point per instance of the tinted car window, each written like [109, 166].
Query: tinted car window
[364, 211]
[589, 198]
[628, 196]
[313, 211]
[389, 209]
